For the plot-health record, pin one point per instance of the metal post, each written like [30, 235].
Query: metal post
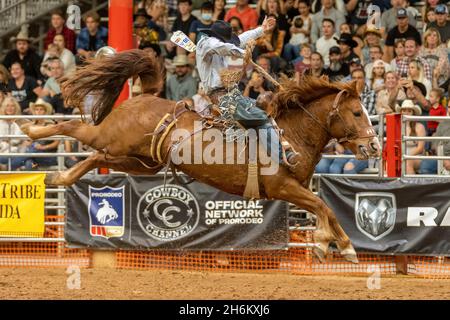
[392, 152]
[403, 150]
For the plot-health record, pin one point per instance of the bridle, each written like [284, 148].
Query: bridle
[350, 135]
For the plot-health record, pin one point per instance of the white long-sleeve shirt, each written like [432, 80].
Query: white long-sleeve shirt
[211, 53]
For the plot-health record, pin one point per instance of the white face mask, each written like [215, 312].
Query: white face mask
[207, 16]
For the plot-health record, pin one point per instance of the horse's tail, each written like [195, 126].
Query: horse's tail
[105, 77]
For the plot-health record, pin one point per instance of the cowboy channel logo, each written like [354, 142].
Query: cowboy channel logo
[106, 211]
[375, 213]
[168, 212]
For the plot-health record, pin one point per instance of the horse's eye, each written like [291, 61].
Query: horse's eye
[357, 114]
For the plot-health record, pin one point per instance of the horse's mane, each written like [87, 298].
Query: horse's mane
[104, 78]
[293, 95]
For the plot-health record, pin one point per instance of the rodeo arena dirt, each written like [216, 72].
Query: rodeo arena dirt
[126, 197]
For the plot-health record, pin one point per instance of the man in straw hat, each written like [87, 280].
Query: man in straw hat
[23, 53]
[216, 43]
[181, 84]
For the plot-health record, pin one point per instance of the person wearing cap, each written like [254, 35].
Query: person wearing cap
[337, 69]
[389, 17]
[181, 84]
[416, 92]
[403, 30]
[372, 37]
[58, 26]
[92, 37]
[441, 23]
[23, 53]
[327, 41]
[38, 108]
[354, 64]
[413, 129]
[347, 44]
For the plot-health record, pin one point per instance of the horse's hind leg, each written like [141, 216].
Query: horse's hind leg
[98, 160]
[83, 132]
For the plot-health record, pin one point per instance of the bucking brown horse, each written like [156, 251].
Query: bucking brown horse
[310, 114]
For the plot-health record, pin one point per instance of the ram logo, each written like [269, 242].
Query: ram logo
[375, 213]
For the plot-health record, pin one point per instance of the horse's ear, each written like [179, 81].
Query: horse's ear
[356, 88]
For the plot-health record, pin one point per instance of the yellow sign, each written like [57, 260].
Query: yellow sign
[22, 205]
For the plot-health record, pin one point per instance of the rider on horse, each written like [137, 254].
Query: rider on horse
[214, 45]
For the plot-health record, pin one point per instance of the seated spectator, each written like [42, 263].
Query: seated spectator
[9, 107]
[52, 90]
[327, 12]
[367, 95]
[219, 10]
[204, 22]
[429, 166]
[390, 96]
[58, 26]
[430, 5]
[23, 88]
[337, 70]
[442, 25]
[201, 101]
[66, 56]
[411, 53]
[416, 92]
[255, 86]
[358, 12]
[316, 69]
[273, 8]
[24, 54]
[399, 54]
[436, 110]
[305, 61]
[340, 165]
[389, 18]
[416, 72]
[181, 85]
[327, 41]
[300, 30]
[436, 55]
[91, 38]
[377, 77]
[236, 25]
[157, 18]
[413, 129]
[353, 65]
[270, 45]
[4, 77]
[428, 17]
[347, 44]
[347, 28]
[376, 54]
[402, 30]
[247, 15]
[40, 107]
[372, 38]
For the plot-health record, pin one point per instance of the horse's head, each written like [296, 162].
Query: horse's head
[350, 124]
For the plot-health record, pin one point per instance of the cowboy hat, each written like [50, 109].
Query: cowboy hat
[372, 29]
[23, 35]
[41, 102]
[180, 60]
[222, 30]
[346, 38]
[408, 104]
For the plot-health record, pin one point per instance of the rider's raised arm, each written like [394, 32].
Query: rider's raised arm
[215, 46]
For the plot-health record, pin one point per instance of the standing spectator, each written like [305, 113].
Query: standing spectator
[436, 110]
[30, 60]
[367, 95]
[63, 54]
[392, 93]
[39, 108]
[327, 41]
[389, 18]
[300, 31]
[273, 8]
[436, 55]
[413, 129]
[377, 76]
[23, 88]
[219, 10]
[181, 85]
[9, 107]
[270, 45]
[204, 22]
[327, 12]
[58, 26]
[403, 30]
[52, 90]
[347, 44]
[337, 69]
[92, 37]
[411, 52]
[247, 15]
[399, 50]
[441, 24]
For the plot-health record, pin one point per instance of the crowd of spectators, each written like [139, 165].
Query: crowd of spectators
[400, 59]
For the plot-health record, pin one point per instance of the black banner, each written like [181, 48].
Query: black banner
[142, 213]
[392, 215]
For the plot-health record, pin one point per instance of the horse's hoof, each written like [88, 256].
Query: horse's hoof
[351, 257]
[320, 254]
